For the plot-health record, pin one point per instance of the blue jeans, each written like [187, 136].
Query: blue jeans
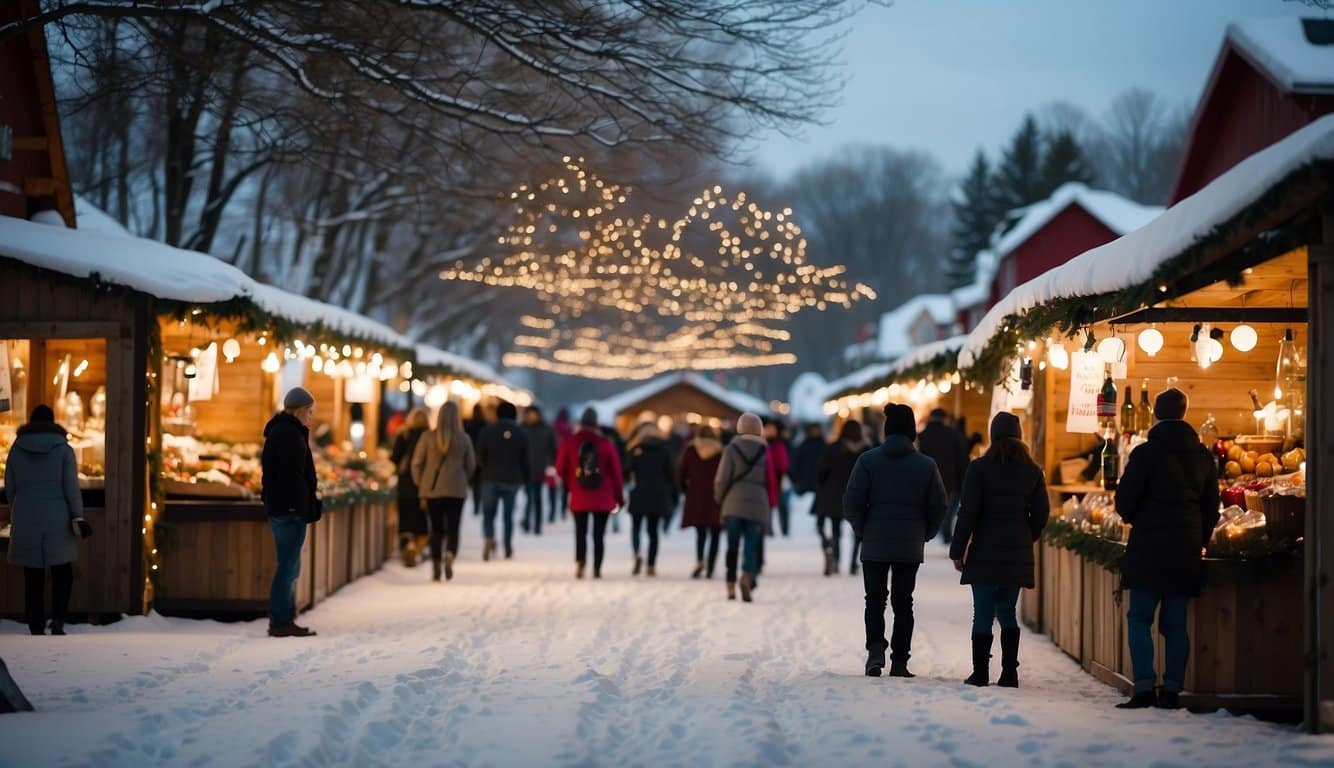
[994, 603]
[748, 533]
[951, 514]
[1171, 625]
[532, 511]
[493, 495]
[289, 533]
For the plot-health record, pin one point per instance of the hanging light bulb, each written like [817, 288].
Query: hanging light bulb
[271, 363]
[945, 386]
[1112, 349]
[231, 349]
[1151, 341]
[1244, 338]
[190, 370]
[1058, 357]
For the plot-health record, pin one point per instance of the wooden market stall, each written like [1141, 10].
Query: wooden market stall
[1212, 288]
[683, 397]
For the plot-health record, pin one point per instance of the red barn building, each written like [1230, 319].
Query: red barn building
[1272, 77]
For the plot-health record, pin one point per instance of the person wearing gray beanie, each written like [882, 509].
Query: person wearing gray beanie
[297, 398]
[290, 501]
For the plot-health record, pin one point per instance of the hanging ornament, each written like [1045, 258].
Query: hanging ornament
[1151, 341]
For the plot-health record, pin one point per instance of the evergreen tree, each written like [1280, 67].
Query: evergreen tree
[1019, 176]
[975, 216]
[1064, 161]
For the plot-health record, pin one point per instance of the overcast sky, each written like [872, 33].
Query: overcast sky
[948, 76]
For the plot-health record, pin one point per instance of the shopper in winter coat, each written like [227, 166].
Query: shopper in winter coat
[782, 458]
[291, 502]
[442, 465]
[556, 491]
[805, 460]
[653, 495]
[746, 488]
[474, 427]
[589, 465]
[541, 457]
[895, 503]
[831, 480]
[694, 476]
[502, 460]
[1003, 512]
[412, 532]
[948, 448]
[1169, 495]
[46, 509]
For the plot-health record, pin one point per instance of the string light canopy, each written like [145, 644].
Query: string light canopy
[631, 296]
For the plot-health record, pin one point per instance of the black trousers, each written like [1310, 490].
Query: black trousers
[834, 540]
[599, 537]
[651, 522]
[444, 514]
[711, 535]
[34, 595]
[893, 582]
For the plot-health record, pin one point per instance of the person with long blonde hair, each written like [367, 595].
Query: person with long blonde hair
[442, 467]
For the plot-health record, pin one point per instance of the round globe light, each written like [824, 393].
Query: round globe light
[231, 349]
[1112, 349]
[1151, 341]
[1058, 357]
[1244, 338]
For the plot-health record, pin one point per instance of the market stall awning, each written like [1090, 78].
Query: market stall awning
[1170, 255]
[935, 357]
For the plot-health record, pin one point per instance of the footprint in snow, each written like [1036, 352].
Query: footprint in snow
[1008, 720]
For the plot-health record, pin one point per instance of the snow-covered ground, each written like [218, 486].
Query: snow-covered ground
[516, 663]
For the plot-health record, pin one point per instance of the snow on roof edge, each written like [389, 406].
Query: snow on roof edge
[1280, 47]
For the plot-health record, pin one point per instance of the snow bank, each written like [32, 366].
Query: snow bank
[1134, 258]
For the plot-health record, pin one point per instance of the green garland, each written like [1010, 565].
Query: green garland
[1197, 266]
[1067, 534]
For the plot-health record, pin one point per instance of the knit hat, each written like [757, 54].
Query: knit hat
[589, 418]
[1170, 405]
[297, 397]
[506, 410]
[900, 420]
[42, 414]
[1004, 425]
[750, 424]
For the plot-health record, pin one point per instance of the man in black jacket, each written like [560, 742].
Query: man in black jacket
[894, 503]
[502, 463]
[948, 448]
[290, 501]
[541, 457]
[1169, 495]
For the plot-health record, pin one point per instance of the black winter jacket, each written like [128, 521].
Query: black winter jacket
[651, 467]
[1169, 495]
[895, 502]
[405, 442]
[831, 478]
[541, 450]
[947, 447]
[1003, 511]
[289, 483]
[805, 462]
[502, 453]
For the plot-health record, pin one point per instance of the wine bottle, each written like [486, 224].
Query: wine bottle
[1255, 400]
[1111, 460]
[1128, 413]
[1144, 412]
[1107, 398]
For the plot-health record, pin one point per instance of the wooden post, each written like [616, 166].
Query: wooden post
[1318, 704]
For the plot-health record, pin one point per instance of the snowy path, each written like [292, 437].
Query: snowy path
[518, 664]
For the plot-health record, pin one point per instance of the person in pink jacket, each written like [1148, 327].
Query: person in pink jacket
[590, 468]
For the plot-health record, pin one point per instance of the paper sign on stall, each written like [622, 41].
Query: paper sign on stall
[1085, 382]
[205, 383]
[6, 393]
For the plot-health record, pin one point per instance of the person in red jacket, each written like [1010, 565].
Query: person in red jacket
[590, 468]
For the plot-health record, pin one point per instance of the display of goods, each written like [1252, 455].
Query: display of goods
[1286, 516]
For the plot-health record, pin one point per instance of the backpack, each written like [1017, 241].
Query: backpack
[589, 472]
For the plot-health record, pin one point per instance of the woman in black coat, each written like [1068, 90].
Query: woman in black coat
[650, 466]
[411, 519]
[831, 480]
[1003, 511]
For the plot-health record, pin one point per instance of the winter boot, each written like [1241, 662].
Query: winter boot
[1166, 699]
[579, 571]
[854, 569]
[652, 570]
[1141, 700]
[746, 584]
[699, 570]
[488, 547]
[899, 669]
[410, 553]
[981, 661]
[731, 590]
[875, 662]
[830, 565]
[1009, 676]
[449, 566]
[639, 565]
[435, 570]
[57, 627]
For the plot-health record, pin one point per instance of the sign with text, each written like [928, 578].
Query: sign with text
[1081, 414]
[6, 390]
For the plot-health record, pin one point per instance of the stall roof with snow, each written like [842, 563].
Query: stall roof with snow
[674, 393]
[934, 358]
[1189, 246]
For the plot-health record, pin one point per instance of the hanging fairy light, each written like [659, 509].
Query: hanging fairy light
[231, 349]
[271, 363]
[1057, 356]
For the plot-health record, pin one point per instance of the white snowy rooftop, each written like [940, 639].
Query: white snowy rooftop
[608, 408]
[921, 355]
[896, 326]
[1115, 212]
[1134, 258]
[1282, 48]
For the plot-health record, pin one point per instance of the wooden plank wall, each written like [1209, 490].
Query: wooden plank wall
[245, 398]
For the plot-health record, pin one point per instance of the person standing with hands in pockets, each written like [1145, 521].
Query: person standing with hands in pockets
[291, 502]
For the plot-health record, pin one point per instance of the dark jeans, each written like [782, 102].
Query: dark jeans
[749, 534]
[599, 536]
[34, 595]
[289, 533]
[1171, 625]
[532, 511]
[898, 592]
[651, 523]
[994, 604]
[712, 534]
[493, 496]
[444, 514]
[556, 501]
[951, 513]
[785, 511]
[834, 541]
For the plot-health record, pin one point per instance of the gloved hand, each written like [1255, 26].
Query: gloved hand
[81, 528]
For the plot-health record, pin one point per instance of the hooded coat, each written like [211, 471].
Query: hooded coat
[607, 496]
[1004, 510]
[502, 453]
[831, 477]
[895, 502]
[289, 484]
[42, 487]
[694, 476]
[650, 465]
[746, 484]
[1169, 495]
